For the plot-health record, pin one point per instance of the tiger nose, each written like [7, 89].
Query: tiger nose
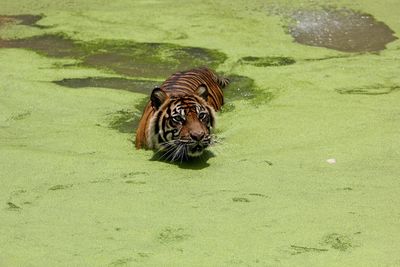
[197, 135]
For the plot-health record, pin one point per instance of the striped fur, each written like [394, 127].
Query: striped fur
[180, 115]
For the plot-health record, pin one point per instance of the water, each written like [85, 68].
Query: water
[306, 178]
[340, 29]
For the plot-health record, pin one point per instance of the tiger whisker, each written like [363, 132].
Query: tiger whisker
[177, 152]
[166, 153]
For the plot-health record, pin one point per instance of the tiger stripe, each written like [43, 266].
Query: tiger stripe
[181, 94]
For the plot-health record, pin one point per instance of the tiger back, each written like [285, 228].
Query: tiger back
[180, 114]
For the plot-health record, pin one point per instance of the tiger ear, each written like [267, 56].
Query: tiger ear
[157, 97]
[202, 91]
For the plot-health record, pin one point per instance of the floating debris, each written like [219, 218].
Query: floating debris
[331, 161]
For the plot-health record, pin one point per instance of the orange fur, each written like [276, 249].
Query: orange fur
[178, 85]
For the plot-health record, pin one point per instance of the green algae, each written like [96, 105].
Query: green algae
[267, 61]
[27, 19]
[132, 85]
[227, 107]
[147, 60]
[302, 249]
[151, 60]
[338, 241]
[172, 234]
[12, 206]
[240, 199]
[375, 89]
[245, 88]
[127, 120]
[185, 216]
[60, 187]
[20, 116]
[240, 87]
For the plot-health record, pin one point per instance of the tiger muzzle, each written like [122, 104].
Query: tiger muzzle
[198, 142]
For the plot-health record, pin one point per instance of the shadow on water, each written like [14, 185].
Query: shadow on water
[340, 29]
[197, 163]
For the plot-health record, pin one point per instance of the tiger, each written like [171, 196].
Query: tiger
[180, 115]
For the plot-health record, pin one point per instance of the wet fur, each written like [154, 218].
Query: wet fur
[178, 120]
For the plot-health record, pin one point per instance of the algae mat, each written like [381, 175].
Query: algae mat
[307, 172]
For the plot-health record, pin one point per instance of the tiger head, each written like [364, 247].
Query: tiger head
[181, 125]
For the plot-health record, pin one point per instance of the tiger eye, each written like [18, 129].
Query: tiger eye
[203, 116]
[178, 119]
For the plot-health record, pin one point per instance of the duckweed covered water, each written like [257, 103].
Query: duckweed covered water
[267, 61]
[149, 60]
[306, 172]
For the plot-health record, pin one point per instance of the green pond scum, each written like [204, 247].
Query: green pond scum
[305, 172]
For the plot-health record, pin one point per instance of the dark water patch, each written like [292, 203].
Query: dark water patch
[53, 45]
[340, 29]
[28, 20]
[132, 85]
[244, 88]
[150, 60]
[267, 61]
[146, 60]
[376, 89]
[240, 87]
